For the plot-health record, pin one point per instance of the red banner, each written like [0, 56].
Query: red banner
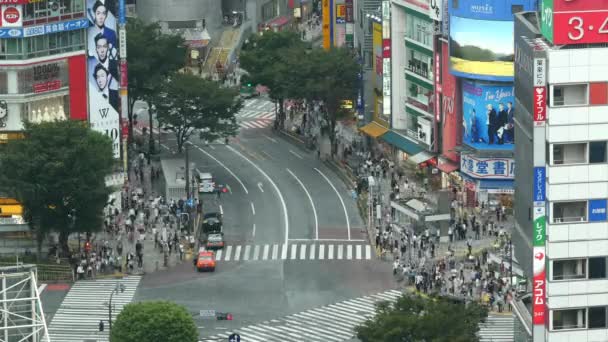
[540, 106]
[539, 307]
[13, 2]
[124, 79]
[386, 48]
[78, 87]
[43, 87]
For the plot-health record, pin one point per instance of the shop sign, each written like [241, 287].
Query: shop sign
[539, 287]
[14, 2]
[487, 168]
[43, 77]
[340, 14]
[436, 10]
[12, 16]
[539, 185]
[540, 106]
[386, 48]
[597, 210]
[39, 30]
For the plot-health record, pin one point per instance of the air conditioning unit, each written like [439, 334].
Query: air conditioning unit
[54, 8]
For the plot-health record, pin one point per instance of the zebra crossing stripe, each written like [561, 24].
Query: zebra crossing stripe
[368, 252]
[265, 254]
[302, 252]
[228, 252]
[312, 252]
[256, 252]
[358, 252]
[340, 252]
[284, 251]
[349, 252]
[247, 250]
[275, 252]
[294, 251]
[330, 252]
[237, 253]
[321, 252]
[218, 255]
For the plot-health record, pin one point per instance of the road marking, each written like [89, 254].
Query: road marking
[252, 208]
[247, 250]
[358, 251]
[218, 255]
[256, 252]
[266, 154]
[321, 252]
[228, 251]
[302, 252]
[275, 252]
[330, 252]
[260, 186]
[330, 240]
[341, 200]
[211, 146]
[221, 210]
[276, 188]
[368, 252]
[237, 253]
[312, 252]
[294, 251]
[349, 252]
[339, 252]
[312, 204]
[222, 165]
[253, 232]
[265, 253]
[269, 138]
[284, 251]
[295, 154]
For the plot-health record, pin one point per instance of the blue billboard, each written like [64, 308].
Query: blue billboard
[597, 210]
[488, 112]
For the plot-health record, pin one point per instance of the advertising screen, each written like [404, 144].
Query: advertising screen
[481, 49]
[488, 114]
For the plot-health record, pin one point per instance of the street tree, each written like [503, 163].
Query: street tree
[187, 103]
[154, 321]
[57, 173]
[414, 318]
[152, 56]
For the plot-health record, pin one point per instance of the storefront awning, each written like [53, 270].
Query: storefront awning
[421, 157]
[446, 165]
[373, 129]
[498, 185]
[401, 142]
[278, 22]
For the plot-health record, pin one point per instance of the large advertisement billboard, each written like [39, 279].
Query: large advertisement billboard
[451, 122]
[488, 115]
[566, 22]
[103, 71]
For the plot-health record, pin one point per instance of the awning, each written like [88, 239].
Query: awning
[373, 129]
[278, 22]
[446, 165]
[497, 184]
[401, 142]
[421, 157]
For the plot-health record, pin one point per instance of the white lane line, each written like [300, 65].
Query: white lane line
[218, 255]
[284, 251]
[294, 251]
[224, 166]
[228, 251]
[247, 250]
[349, 252]
[265, 253]
[253, 232]
[341, 200]
[260, 186]
[221, 210]
[312, 204]
[252, 208]
[237, 253]
[269, 138]
[302, 252]
[340, 251]
[275, 252]
[295, 154]
[266, 154]
[330, 252]
[368, 252]
[256, 252]
[321, 252]
[312, 252]
[276, 188]
[211, 146]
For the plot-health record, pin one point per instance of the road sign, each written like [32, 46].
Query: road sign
[234, 338]
[207, 313]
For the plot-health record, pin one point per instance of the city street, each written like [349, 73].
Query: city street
[294, 241]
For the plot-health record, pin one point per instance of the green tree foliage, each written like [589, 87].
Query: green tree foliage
[151, 57]
[154, 321]
[57, 173]
[418, 319]
[186, 103]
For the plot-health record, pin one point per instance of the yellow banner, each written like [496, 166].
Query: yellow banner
[326, 25]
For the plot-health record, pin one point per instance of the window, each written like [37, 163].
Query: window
[420, 64]
[564, 154]
[564, 212]
[597, 268]
[43, 45]
[419, 96]
[597, 317]
[569, 95]
[597, 152]
[569, 269]
[569, 319]
[419, 30]
[52, 8]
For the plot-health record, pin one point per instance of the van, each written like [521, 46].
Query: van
[205, 182]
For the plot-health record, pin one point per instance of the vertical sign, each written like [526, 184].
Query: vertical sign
[326, 24]
[538, 267]
[539, 186]
[546, 19]
[437, 56]
[436, 9]
[386, 59]
[540, 92]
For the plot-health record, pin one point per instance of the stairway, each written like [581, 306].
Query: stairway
[498, 327]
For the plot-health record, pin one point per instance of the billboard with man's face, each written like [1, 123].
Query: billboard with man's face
[102, 66]
[488, 116]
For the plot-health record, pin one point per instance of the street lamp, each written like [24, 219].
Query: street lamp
[119, 287]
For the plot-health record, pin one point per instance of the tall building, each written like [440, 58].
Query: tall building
[42, 74]
[561, 88]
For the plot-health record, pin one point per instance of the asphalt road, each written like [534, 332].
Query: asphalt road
[285, 215]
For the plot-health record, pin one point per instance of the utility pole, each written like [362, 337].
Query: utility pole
[186, 146]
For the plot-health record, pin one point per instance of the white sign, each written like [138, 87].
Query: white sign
[122, 43]
[540, 75]
[207, 313]
[436, 10]
[487, 168]
[104, 118]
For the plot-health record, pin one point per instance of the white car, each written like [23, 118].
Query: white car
[205, 182]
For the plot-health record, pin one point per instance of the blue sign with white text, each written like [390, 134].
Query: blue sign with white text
[539, 184]
[39, 30]
[597, 210]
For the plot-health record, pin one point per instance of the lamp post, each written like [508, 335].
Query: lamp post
[118, 288]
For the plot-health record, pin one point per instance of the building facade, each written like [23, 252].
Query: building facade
[561, 155]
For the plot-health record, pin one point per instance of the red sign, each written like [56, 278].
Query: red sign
[386, 48]
[378, 65]
[124, 79]
[13, 2]
[437, 83]
[11, 15]
[539, 307]
[579, 5]
[124, 129]
[580, 27]
[540, 105]
[43, 87]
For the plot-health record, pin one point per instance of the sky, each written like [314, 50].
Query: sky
[494, 35]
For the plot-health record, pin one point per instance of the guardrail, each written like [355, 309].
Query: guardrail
[49, 272]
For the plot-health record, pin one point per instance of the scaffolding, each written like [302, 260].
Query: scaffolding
[21, 315]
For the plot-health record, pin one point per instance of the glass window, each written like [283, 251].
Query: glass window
[420, 64]
[564, 154]
[419, 30]
[564, 212]
[569, 269]
[597, 317]
[569, 319]
[597, 268]
[597, 152]
[569, 95]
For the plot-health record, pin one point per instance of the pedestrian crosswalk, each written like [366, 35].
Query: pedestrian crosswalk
[497, 328]
[256, 113]
[295, 251]
[334, 322]
[85, 305]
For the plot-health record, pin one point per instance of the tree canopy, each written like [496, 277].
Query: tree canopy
[154, 321]
[57, 173]
[152, 56]
[417, 319]
[187, 103]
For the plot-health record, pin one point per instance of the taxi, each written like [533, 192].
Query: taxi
[205, 261]
[215, 241]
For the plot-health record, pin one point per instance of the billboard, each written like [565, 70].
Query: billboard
[487, 168]
[488, 115]
[565, 22]
[479, 52]
[11, 16]
[103, 72]
[451, 107]
[597, 210]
